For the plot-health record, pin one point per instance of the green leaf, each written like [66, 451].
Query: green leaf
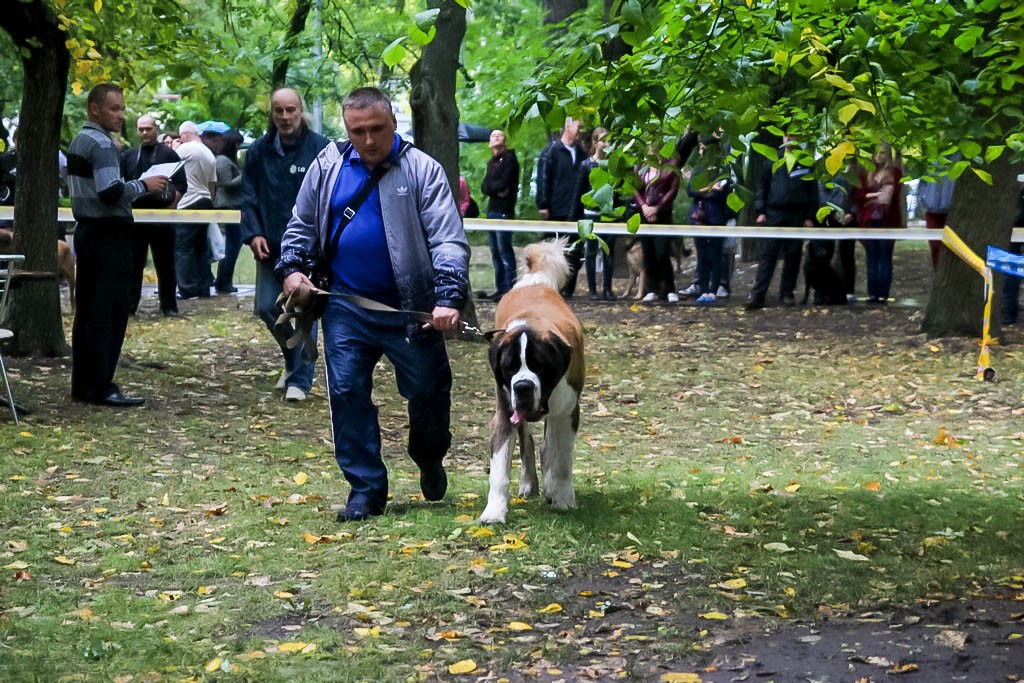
[968, 39]
[426, 19]
[994, 152]
[839, 82]
[985, 176]
[847, 113]
[970, 149]
[822, 213]
[735, 202]
[765, 150]
[957, 169]
[395, 52]
[633, 224]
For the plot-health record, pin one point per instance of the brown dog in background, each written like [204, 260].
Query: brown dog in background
[65, 260]
[635, 263]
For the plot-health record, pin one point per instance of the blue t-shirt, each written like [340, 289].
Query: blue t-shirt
[363, 263]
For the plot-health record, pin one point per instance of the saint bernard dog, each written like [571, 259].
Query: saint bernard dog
[537, 359]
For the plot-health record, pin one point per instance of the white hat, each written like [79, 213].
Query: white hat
[188, 127]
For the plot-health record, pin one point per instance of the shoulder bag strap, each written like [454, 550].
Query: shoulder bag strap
[368, 185]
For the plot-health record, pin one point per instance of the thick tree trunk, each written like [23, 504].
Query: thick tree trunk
[33, 310]
[296, 26]
[559, 10]
[981, 214]
[435, 115]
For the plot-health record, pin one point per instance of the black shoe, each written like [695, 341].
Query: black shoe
[227, 290]
[115, 399]
[593, 296]
[357, 513]
[169, 312]
[608, 296]
[788, 300]
[496, 297]
[433, 481]
[754, 304]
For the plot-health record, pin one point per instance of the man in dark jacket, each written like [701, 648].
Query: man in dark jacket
[274, 168]
[785, 198]
[156, 236]
[558, 169]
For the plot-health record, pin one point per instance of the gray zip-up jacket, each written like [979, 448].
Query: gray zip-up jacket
[426, 240]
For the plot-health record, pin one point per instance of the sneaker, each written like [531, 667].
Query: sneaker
[692, 290]
[722, 293]
[708, 298]
[282, 381]
[294, 394]
[650, 297]
[433, 481]
[593, 296]
[851, 298]
[673, 298]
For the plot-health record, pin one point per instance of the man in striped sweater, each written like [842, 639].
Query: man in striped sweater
[101, 202]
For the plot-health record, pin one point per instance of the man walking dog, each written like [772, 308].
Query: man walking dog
[380, 217]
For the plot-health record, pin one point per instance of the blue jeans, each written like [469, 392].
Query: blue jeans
[226, 266]
[879, 266]
[300, 372]
[354, 340]
[503, 256]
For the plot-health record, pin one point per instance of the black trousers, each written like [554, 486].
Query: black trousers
[102, 305]
[159, 237]
[770, 249]
[658, 270]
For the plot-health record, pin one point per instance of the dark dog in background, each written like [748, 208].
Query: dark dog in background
[820, 276]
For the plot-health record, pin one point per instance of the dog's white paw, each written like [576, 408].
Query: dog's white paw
[492, 516]
[563, 500]
[528, 488]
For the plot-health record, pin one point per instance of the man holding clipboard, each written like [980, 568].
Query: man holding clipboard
[148, 159]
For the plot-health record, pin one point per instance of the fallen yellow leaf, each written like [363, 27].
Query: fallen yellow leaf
[212, 665]
[733, 584]
[519, 626]
[873, 486]
[17, 565]
[367, 632]
[300, 478]
[465, 666]
[674, 677]
[85, 614]
[284, 595]
[713, 615]
[296, 646]
[64, 559]
[553, 608]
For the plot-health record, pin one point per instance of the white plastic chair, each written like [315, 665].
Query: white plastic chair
[7, 334]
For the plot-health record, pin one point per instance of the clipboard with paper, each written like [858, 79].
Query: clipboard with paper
[167, 170]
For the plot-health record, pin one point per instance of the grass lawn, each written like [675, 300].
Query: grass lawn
[767, 467]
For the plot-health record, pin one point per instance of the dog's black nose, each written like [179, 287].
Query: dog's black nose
[523, 386]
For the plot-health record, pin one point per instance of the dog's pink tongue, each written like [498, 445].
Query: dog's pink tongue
[516, 417]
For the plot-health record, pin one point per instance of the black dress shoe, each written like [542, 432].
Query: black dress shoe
[433, 481]
[115, 399]
[357, 513]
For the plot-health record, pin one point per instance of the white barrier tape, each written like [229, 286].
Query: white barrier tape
[567, 228]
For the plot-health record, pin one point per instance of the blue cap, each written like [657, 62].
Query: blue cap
[218, 127]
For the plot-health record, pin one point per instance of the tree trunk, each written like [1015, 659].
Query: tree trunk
[559, 10]
[296, 26]
[981, 214]
[435, 115]
[33, 311]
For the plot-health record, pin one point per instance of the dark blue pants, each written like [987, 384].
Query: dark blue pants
[354, 340]
[503, 255]
[300, 372]
[879, 266]
[1010, 308]
[226, 266]
[709, 262]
